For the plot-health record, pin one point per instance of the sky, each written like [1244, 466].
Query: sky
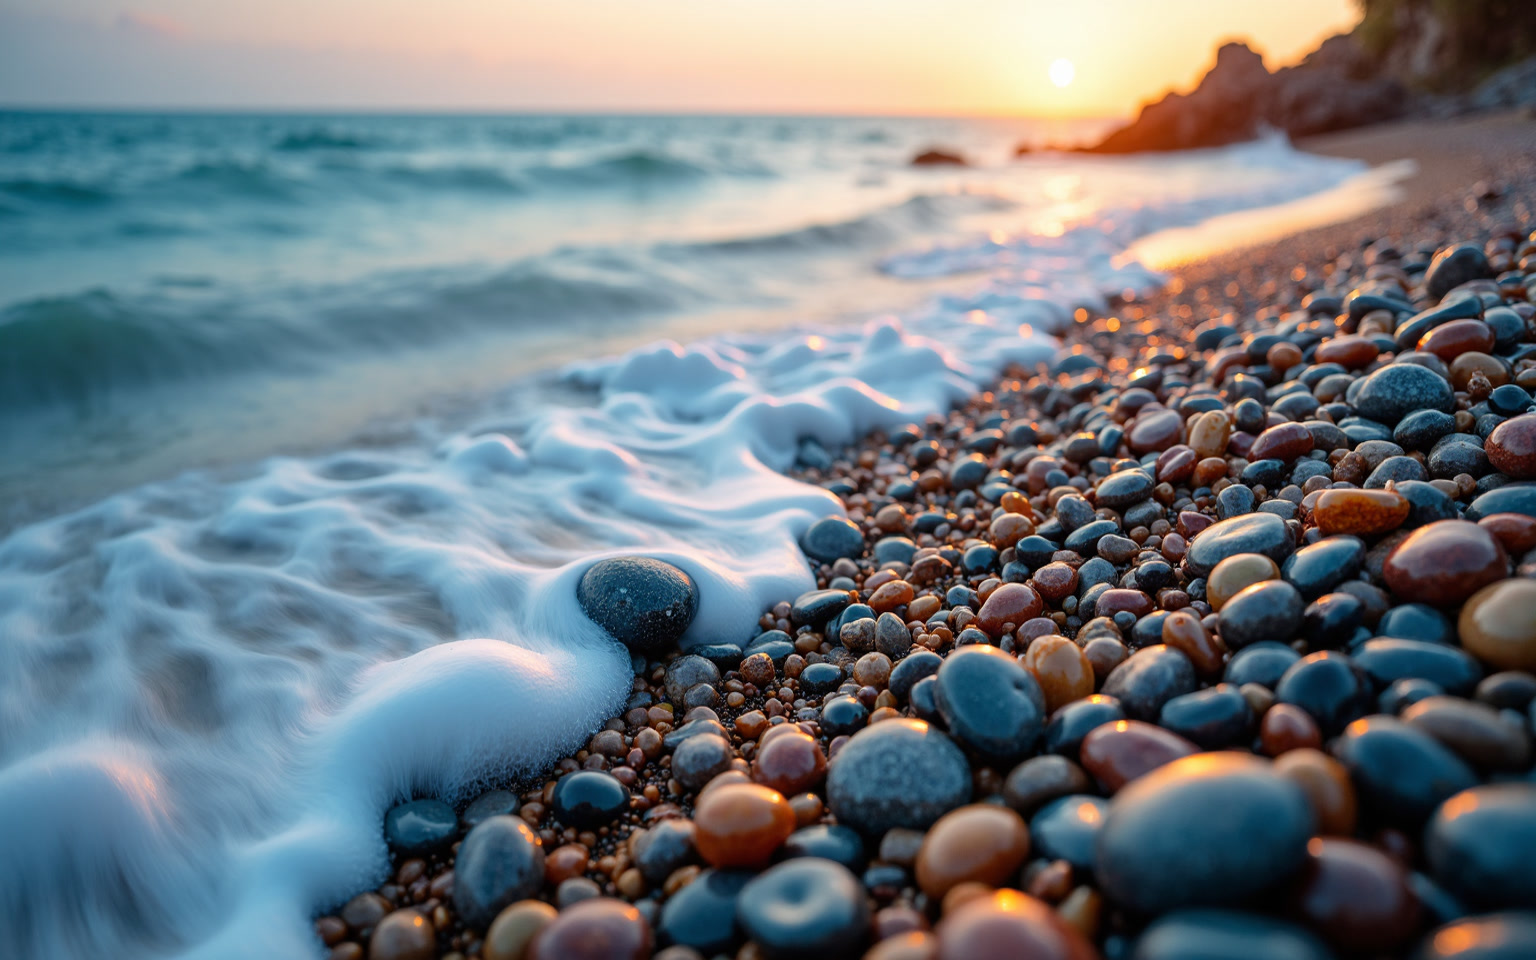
[989, 57]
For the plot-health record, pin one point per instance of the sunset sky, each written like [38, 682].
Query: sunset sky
[782, 56]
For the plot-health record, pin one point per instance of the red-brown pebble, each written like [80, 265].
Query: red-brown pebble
[1450, 340]
[1327, 786]
[741, 824]
[1511, 447]
[981, 843]
[790, 764]
[1356, 897]
[1113, 601]
[1117, 753]
[1288, 727]
[1444, 563]
[1515, 532]
[1285, 441]
[1010, 603]
[1350, 352]
[1055, 581]
[403, 935]
[1156, 429]
[1007, 923]
[598, 929]
[1184, 632]
[1363, 513]
[897, 593]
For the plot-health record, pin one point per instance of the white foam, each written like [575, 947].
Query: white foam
[210, 692]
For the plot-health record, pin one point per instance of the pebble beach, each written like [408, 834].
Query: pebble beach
[1213, 637]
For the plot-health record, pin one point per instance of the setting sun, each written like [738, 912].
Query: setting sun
[1062, 72]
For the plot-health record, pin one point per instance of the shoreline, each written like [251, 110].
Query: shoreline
[1148, 611]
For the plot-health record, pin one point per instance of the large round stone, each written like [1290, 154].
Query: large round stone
[990, 702]
[1226, 935]
[1400, 773]
[806, 907]
[1444, 563]
[420, 827]
[1214, 829]
[702, 915]
[897, 773]
[1481, 845]
[643, 603]
[832, 538]
[1263, 533]
[1396, 390]
[1150, 678]
[499, 863]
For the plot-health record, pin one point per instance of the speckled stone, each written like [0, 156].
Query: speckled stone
[1396, 390]
[990, 703]
[643, 603]
[896, 773]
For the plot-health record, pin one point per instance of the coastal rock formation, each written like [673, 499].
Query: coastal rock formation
[1238, 99]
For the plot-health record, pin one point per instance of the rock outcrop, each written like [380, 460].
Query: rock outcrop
[1333, 89]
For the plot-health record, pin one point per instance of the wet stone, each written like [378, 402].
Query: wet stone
[1402, 774]
[643, 603]
[489, 804]
[1445, 563]
[1505, 936]
[499, 863]
[1362, 513]
[702, 915]
[1387, 660]
[816, 607]
[699, 760]
[1010, 603]
[1453, 266]
[1331, 621]
[1262, 663]
[1357, 897]
[1067, 828]
[1510, 498]
[1498, 626]
[1118, 753]
[1422, 428]
[1235, 574]
[1415, 621]
[1213, 719]
[829, 841]
[588, 799]
[1123, 489]
[1511, 448]
[665, 848]
[1213, 829]
[1394, 391]
[420, 827]
[1072, 722]
[832, 538]
[1148, 679]
[601, 928]
[741, 824]
[1260, 533]
[990, 703]
[1479, 846]
[910, 670]
[1227, 935]
[897, 773]
[1007, 923]
[688, 671]
[1039, 780]
[403, 935]
[1329, 687]
[981, 843]
[1269, 611]
[804, 908]
[1478, 733]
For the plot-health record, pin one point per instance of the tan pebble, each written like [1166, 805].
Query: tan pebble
[514, 929]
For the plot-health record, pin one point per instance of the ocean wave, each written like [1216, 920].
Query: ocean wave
[915, 214]
[635, 167]
[469, 179]
[60, 191]
[321, 138]
[239, 179]
[86, 349]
